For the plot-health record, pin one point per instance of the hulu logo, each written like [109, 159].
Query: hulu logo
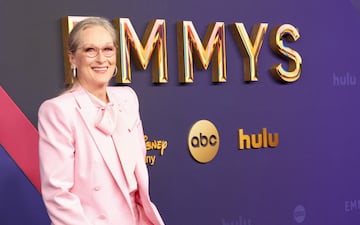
[344, 80]
[260, 140]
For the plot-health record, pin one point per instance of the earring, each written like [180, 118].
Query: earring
[115, 71]
[74, 71]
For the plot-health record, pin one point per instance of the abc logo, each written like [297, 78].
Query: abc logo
[203, 141]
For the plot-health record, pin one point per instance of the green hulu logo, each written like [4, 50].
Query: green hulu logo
[256, 141]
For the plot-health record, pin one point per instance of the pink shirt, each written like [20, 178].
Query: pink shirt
[106, 116]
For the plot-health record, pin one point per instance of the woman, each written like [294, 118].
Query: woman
[91, 145]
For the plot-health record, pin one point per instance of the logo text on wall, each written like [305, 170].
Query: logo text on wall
[352, 205]
[154, 145]
[210, 50]
[204, 140]
[264, 139]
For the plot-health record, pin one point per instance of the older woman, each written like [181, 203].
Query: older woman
[91, 145]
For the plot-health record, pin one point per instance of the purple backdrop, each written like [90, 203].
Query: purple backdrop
[310, 178]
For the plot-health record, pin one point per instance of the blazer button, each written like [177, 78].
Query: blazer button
[97, 188]
[101, 217]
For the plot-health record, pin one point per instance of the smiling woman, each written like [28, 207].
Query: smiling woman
[92, 47]
[92, 149]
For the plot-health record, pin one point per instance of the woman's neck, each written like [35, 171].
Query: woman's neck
[99, 93]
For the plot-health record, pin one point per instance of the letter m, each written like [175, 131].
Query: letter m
[189, 43]
[153, 41]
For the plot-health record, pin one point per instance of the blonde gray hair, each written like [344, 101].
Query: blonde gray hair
[73, 40]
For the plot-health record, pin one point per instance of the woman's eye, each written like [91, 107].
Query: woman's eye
[109, 49]
[90, 50]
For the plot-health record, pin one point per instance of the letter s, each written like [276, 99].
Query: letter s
[277, 45]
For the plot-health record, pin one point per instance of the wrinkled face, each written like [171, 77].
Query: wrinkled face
[95, 58]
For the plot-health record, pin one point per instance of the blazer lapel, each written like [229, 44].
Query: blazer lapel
[88, 114]
[123, 138]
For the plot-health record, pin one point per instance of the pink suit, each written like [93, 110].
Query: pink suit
[83, 181]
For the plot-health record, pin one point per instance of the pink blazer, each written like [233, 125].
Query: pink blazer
[79, 179]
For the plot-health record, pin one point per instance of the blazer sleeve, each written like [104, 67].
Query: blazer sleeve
[142, 172]
[56, 156]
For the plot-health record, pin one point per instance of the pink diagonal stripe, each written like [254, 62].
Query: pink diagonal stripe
[19, 138]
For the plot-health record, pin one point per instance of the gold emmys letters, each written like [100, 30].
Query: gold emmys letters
[212, 49]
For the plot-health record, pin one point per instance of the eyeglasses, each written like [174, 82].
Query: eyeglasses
[92, 51]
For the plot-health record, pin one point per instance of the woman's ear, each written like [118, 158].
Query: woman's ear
[71, 59]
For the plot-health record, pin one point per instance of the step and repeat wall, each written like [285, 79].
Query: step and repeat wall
[250, 108]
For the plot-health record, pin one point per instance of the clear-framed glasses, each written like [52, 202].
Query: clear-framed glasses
[93, 51]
